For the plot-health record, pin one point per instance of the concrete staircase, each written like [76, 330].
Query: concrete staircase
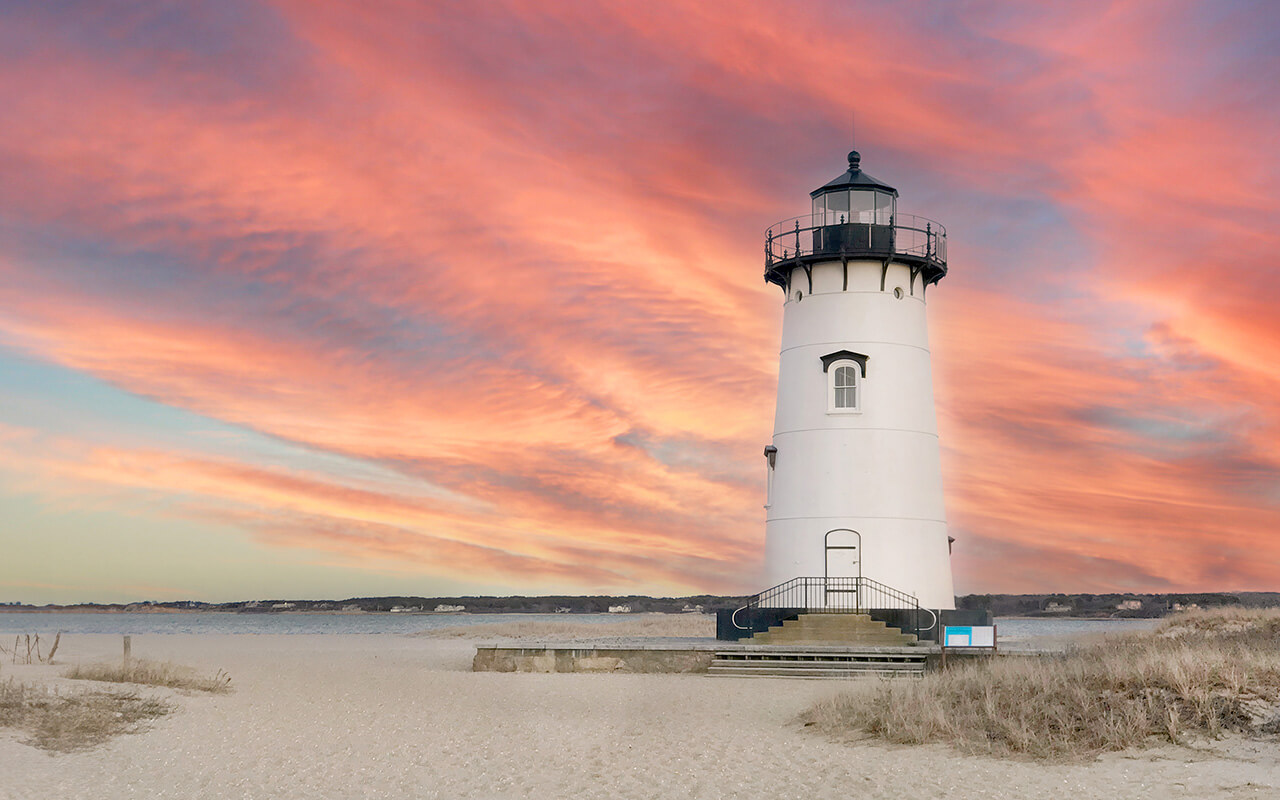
[775, 661]
[859, 629]
[824, 646]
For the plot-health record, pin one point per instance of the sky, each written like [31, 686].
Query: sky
[324, 299]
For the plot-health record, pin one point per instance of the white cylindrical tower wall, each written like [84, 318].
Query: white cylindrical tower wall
[875, 471]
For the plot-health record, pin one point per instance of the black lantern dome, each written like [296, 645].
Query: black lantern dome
[854, 178]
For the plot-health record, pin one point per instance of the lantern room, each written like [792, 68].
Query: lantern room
[855, 216]
[855, 198]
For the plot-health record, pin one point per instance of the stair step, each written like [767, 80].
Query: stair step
[843, 658]
[799, 640]
[816, 639]
[839, 666]
[833, 630]
[822, 628]
[827, 673]
[809, 655]
[836, 665]
[833, 626]
[908, 653]
[857, 619]
[853, 619]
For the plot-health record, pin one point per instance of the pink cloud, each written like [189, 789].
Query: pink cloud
[514, 254]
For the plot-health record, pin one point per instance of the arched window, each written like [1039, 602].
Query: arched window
[843, 388]
[846, 371]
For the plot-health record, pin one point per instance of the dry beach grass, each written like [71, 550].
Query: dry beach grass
[64, 718]
[1198, 674]
[68, 721]
[153, 673]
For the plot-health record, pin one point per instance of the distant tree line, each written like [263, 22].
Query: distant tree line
[1000, 605]
[1111, 605]
[547, 604]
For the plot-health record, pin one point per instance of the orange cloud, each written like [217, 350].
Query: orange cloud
[512, 254]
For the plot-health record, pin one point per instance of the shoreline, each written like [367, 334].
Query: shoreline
[479, 614]
[326, 612]
[357, 715]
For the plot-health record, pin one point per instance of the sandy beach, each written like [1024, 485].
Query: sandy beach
[349, 716]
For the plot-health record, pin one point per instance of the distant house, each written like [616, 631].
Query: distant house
[442, 608]
[405, 609]
[1054, 607]
[688, 609]
[619, 609]
[1130, 605]
[283, 605]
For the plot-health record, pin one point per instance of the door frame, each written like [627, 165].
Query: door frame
[827, 591]
[827, 547]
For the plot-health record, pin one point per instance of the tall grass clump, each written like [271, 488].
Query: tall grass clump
[61, 722]
[1198, 674]
[153, 673]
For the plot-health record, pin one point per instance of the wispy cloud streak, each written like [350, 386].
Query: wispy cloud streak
[511, 253]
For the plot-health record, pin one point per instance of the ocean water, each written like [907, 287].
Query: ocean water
[277, 623]
[273, 623]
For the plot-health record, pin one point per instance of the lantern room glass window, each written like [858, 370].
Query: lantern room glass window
[860, 207]
[884, 208]
[837, 208]
[863, 206]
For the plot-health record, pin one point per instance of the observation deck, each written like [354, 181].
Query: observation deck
[802, 241]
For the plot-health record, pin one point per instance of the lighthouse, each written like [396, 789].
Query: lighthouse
[854, 500]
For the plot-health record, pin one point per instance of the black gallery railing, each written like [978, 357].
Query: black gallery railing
[906, 235]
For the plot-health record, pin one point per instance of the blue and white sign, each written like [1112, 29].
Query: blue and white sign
[969, 636]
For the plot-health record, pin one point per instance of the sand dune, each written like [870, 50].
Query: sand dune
[402, 717]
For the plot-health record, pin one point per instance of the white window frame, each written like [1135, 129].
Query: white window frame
[858, 381]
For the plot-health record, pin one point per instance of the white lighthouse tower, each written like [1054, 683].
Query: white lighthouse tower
[854, 492]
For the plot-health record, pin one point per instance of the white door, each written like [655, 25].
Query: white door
[843, 568]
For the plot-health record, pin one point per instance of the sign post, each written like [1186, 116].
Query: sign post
[968, 637]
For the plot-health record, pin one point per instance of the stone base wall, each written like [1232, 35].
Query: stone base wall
[589, 659]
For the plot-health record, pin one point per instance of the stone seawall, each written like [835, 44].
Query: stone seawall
[579, 658]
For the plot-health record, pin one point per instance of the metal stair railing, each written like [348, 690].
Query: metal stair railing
[854, 595]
